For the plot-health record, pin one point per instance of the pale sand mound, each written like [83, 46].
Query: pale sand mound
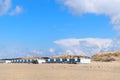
[93, 71]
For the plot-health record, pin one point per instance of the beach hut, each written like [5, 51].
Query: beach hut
[72, 61]
[76, 60]
[31, 60]
[48, 61]
[14, 61]
[85, 60]
[8, 61]
[27, 61]
[2, 61]
[24, 61]
[41, 61]
[67, 60]
[35, 61]
[54, 60]
[60, 60]
[20, 60]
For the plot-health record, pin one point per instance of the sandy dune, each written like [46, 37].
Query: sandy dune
[93, 71]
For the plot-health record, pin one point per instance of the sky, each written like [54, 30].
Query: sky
[56, 27]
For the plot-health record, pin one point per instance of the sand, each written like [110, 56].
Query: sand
[93, 71]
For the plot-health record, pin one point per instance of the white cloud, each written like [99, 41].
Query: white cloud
[17, 10]
[86, 46]
[51, 50]
[38, 52]
[6, 8]
[115, 45]
[15, 51]
[109, 8]
[90, 41]
[68, 42]
[69, 52]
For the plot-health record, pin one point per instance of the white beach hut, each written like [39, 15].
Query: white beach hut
[41, 61]
[8, 61]
[85, 60]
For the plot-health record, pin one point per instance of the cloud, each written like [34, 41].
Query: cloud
[51, 50]
[17, 10]
[110, 8]
[85, 46]
[35, 51]
[115, 45]
[17, 51]
[76, 42]
[68, 42]
[6, 8]
[14, 52]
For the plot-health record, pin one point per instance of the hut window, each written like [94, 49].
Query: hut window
[48, 59]
[68, 59]
[60, 59]
[54, 59]
[76, 59]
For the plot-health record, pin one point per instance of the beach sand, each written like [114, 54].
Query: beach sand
[93, 71]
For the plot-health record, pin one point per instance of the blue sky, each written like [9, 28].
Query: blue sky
[37, 24]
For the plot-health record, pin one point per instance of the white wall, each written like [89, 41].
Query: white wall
[40, 61]
[85, 60]
[8, 61]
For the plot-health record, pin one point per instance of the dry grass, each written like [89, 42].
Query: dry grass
[107, 56]
[93, 71]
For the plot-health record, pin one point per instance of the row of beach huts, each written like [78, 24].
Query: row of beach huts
[69, 59]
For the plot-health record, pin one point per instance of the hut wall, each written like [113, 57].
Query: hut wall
[40, 61]
[8, 61]
[85, 60]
